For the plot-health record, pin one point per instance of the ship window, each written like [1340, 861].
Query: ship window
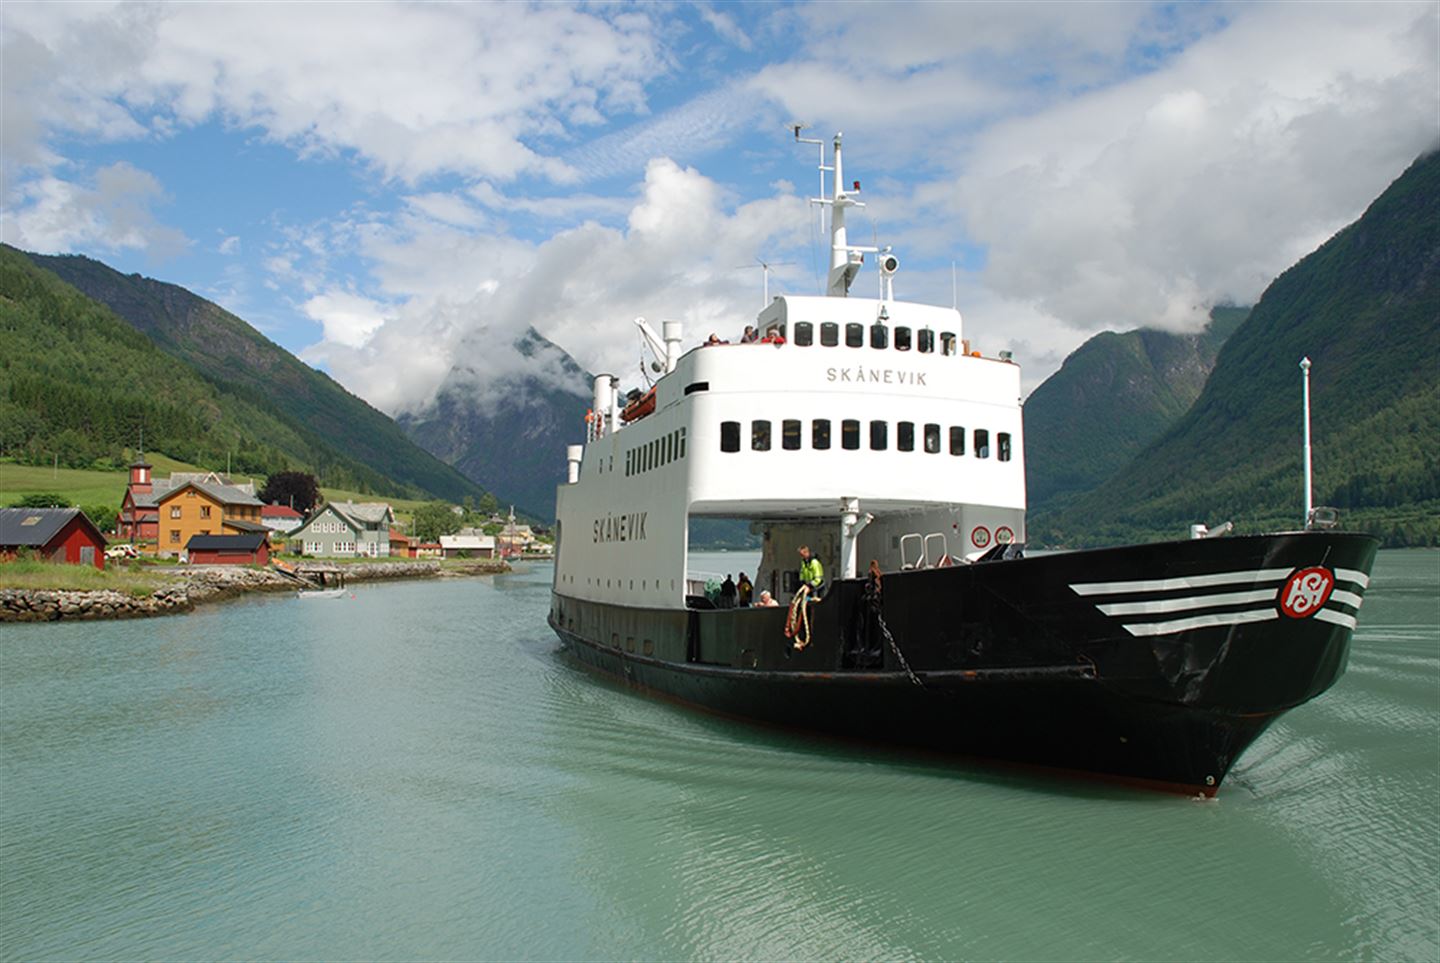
[829, 334]
[947, 342]
[879, 439]
[630, 462]
[804, 334]
[682, 442]
[820, 434]
[615, 639]
[760, 435]
[729, 436]
[854, 335]
[925, 340]
[879, 335]
[790, 434]
[648, 647]
[629, 643]
[932, 439]
[1002, 442]
[669, 448]
[905, 436]
[982, 443]
[850, 434]
[902, 338]
[957, 440]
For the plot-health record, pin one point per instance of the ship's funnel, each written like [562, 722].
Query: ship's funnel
[573, 454]
[600, 409]
[673, 334]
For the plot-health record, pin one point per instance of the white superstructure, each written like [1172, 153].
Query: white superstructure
[870, 431]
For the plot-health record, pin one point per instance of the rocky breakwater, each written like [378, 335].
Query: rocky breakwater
[179, 593]
[48, 605]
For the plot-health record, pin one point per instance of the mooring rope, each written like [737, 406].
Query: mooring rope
[794, 621]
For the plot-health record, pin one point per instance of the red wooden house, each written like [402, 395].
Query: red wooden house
[58, 534]
[248, 549]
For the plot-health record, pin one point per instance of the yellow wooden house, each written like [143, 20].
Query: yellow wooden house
[195, 508]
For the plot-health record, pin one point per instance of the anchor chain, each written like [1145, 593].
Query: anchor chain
[894, 646]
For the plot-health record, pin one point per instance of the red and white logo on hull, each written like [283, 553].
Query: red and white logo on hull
[1306, 592]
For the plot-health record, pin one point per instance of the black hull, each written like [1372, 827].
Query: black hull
[1152, 663]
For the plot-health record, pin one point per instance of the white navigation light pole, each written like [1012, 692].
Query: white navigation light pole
[1309, 505]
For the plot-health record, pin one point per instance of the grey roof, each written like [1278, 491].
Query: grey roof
[241, 525]
[34, 527]
[208, 482]
[371, 512]
[234, 543]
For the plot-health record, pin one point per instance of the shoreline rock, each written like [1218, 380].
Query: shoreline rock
[202, 584]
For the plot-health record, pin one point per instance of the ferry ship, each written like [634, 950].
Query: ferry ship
[870, 432]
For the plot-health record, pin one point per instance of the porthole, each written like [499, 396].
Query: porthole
[850, 434]
[982, 443]
[905, 436]
[932, 439]
[854, 335]
[902, 339]
[790, 434]
[760, 435]
[925, 341]
[820, 434]
[1002, 444]
[879, 435]
[804, 334]
[729, 436]
[879, 336]
[829, 334]
[957, 440]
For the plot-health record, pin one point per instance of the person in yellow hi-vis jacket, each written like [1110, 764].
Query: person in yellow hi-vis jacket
[812, 577]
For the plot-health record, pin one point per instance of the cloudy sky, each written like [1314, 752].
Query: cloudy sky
[389, 189]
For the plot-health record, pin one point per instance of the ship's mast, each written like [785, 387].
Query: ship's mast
[845, 259]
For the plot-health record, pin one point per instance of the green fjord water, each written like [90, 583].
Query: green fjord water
[416, 773]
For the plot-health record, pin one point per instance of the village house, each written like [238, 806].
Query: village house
[56, 534]
[401, 546]
[281, 519]
[249, 549]
[160, 515]
[467, 543]
[346, 529]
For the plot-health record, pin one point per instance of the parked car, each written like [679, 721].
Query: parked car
[121, 550]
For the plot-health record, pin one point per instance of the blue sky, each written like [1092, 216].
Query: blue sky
[390, 190]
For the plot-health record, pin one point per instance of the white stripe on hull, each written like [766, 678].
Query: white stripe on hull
[1212, 600]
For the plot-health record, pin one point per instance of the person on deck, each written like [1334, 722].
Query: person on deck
[745, 590]
[727, 592]
[750, 336]
[812, 573]
[767, 601]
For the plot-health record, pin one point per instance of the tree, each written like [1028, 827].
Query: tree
[104, 516]
[43, 500]
[434, 519]
[297, 489]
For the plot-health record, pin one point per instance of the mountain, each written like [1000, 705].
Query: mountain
[1364, 308]
[78, 385]
[509, 436]
[328, 429]
[1114, 395]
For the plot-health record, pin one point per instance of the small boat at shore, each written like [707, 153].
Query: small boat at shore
[330, 593]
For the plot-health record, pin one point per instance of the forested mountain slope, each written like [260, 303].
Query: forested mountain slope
[78, 385]
[1113, 396]
[1365, 308]
[348, 442]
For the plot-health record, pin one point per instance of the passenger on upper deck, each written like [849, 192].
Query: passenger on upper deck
[750, 336]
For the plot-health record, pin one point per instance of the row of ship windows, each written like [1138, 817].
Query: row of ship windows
[653, 454]
[930, 437]
[922, 340]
